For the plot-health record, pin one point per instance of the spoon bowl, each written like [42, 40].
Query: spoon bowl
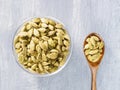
[98, 62]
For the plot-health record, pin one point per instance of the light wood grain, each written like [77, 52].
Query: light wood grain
[81, 17]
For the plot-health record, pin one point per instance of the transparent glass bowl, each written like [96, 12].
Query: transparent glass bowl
[38, 74]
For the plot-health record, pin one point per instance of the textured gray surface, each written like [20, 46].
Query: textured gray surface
[81, 17]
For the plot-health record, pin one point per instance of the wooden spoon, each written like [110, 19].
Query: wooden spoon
[94, 65]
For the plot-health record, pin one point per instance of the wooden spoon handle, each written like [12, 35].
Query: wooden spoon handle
[94, 72]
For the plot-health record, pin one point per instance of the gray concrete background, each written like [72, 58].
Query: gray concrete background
[81, 17]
